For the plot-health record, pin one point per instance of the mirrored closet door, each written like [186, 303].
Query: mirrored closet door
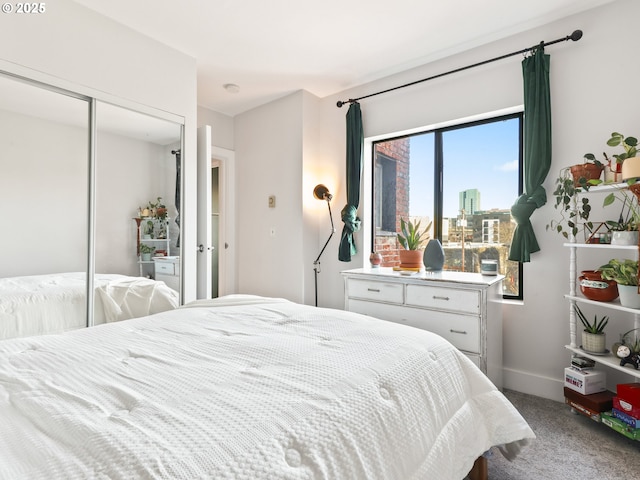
[137, 200]
[86, 188]
[44, 191]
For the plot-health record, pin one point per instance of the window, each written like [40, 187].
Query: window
[464, 180]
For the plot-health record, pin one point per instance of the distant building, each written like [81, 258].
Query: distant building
[469, 201]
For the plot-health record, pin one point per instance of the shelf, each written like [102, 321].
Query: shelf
[154, 239]
[610, 360]
[615, 305]
[602, 246]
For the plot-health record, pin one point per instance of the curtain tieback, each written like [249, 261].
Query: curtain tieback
[350, 218]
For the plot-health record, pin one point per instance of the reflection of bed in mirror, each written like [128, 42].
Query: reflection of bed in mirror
[54, 303]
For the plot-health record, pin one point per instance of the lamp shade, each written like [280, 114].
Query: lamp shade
[321, 192]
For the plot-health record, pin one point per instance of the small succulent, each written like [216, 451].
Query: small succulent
[596, 327]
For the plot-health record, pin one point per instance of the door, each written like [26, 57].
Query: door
[204, 247]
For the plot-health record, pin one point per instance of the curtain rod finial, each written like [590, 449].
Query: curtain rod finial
[576, 35]
[340, 103]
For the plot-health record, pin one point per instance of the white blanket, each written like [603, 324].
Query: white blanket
[39, 304]
[266, 390]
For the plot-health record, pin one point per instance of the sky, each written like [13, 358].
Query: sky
[484, 157]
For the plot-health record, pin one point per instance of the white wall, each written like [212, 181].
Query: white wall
[594, 84]
[75, 48]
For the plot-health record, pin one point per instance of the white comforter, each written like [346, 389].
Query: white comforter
[39, 304]
[247, 390]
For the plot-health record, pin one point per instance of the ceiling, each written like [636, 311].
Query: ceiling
[276, 47]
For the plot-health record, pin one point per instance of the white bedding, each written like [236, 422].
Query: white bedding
[39, 304]
[247, 388]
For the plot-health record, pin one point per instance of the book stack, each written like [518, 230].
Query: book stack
[584, 388]
[624, 417]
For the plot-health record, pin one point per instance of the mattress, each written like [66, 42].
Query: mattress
[247, 388]
[39, 304]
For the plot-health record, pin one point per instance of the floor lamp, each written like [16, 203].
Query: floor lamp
[322, 193]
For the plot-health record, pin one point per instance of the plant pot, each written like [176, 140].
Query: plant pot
[630, 168]
[146, 257]
[624, 238]
[594, 342]
[629, 296]
[594, 287]
[410, 258]
[588, 171]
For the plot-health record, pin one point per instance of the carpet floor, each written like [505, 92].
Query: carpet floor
[568, 446]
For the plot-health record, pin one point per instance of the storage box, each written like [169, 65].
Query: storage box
[585, 382]
[596, 402]
[626, 407]
[628, 419]
[629, 392]
[619, 426]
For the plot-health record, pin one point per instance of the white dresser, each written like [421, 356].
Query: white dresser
[464, 308]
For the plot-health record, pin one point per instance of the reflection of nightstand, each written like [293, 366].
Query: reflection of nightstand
[167, 270]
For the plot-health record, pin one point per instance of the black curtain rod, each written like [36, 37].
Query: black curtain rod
[575, 36]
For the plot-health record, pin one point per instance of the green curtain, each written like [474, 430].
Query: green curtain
[355, 143]
[537, 152]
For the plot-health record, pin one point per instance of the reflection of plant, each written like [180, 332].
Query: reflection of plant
[623, 272]
[157, 209]
[597, 327]
[144, 248]
[148, 228]
[411, 236]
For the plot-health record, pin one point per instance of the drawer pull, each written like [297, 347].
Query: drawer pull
[377, 290]
[436, 297]
[463, 332]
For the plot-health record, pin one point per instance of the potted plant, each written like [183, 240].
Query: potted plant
[411, 238]
[146, 251]
[574, 211]
[625, 273]
[625, 229]
[590, 169]
[593, 336]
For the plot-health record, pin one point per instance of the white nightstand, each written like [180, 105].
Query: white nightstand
[167, 270]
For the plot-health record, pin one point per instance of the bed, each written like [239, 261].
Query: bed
[245, 387]
[39, 304]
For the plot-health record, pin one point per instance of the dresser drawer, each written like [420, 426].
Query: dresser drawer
[451, 299]
[379, 291]
[463, 331]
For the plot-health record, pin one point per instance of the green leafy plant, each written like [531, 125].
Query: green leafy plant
[574, 211]
[629, 144]
[411, 237]
[144, 248]
[623, 272]
[596, 327]
[157, 209]
[633, 342]
[629, 219]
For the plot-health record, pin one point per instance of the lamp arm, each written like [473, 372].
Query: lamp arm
[333, 230]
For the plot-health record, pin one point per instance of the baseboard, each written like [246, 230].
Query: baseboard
[526, 382]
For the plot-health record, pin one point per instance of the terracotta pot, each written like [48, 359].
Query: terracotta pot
[588, 171]
[594, 287]
[410, 258]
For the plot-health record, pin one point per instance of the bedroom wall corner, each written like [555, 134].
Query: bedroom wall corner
[269, 161]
